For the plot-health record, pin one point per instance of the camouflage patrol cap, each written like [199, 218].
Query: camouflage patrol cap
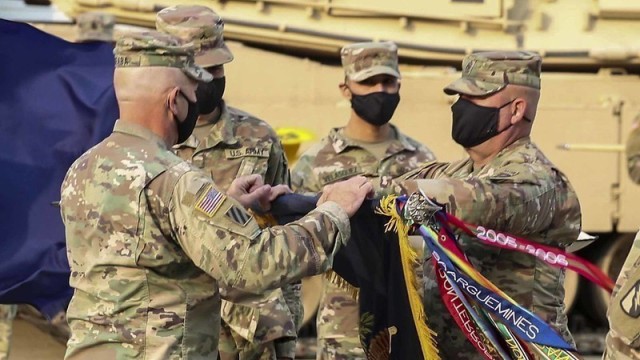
[92, 26]
[364, 60]
[485, 73]
[153, 48]
[200, 25]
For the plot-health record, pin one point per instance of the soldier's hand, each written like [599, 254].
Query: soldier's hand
[250, 191]
[279, 190]
[265, 203]
[348, 194]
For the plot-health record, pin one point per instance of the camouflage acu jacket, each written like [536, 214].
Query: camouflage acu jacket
[633, 154]
[623, 338]
[153, 244]
[338, 158]
[519, 192]
[240, 144]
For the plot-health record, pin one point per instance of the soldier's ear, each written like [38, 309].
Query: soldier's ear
[344, 90]
[519, 110]
[172, 101]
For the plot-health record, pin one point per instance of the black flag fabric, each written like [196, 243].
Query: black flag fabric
[372, 262]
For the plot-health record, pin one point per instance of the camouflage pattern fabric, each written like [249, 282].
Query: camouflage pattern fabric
[95, 26]
[241, 144]
[336, 158]
[237, 144]
[202, 26]
[623, 338]
[485, 73]
[361, 61]
[153, 245]
[520, 192]
[7, 314]
[153, 48]
[633, 151]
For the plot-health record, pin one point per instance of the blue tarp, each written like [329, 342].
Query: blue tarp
[56, 101]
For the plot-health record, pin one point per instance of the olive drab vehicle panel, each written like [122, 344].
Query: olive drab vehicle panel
[590, 86]
[565, 32]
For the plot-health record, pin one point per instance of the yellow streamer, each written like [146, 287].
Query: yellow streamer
[409, 258]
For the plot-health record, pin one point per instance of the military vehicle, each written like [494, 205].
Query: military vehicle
[286, 70]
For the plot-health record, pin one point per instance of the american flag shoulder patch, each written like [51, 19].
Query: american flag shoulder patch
[210, 201]
[238, 216]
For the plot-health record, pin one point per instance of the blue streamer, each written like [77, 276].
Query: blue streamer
[482, 324]
[525, 324]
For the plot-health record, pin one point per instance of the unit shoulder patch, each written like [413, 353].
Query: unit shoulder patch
[630, 302]
[238, 215]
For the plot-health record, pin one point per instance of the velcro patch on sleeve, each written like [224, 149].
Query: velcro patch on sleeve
[210, 201]
[238, 215]
[630, 303]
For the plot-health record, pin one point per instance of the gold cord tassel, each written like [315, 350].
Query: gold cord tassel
[409, 257]
[343, 284]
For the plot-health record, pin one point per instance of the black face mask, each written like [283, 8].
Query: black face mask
[185, 128]
[474, 124]
[376, 108]
[209, 95]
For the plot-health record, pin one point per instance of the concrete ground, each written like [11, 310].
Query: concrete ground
[30, 343]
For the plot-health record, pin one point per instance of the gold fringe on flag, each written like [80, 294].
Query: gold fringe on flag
[264, 220]
[409, 258]
[343, 284]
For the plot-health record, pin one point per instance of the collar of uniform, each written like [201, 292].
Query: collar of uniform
[401, 143]
[522, 146]
[191, 142]
[340, 142]
[514, 146]
[129, 128]
[222, 131]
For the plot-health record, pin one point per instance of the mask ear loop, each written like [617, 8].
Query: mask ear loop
[506, 104]
[510, 124]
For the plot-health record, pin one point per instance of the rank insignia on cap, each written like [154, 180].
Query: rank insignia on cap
[630, 303]
[238, 216]
[210, 201]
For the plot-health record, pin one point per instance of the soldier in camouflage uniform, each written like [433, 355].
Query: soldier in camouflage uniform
[153, 243]
[368, 145]
[506, 184]
[623, 339]
[633, 151]
[228, 143]
[95, 26]
[7, 313]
